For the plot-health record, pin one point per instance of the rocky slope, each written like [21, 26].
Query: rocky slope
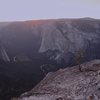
[58, 39]
[69, 84]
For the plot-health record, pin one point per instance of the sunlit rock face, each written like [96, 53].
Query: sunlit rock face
[58, 39]
[3, 55]
[69, 84]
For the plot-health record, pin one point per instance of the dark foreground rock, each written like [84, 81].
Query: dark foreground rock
[69, 84]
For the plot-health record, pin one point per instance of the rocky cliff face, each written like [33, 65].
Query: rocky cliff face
[58, 39]
[69, 84]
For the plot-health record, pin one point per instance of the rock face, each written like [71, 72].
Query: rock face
[58, 39]
[3, 54]
[69, 84]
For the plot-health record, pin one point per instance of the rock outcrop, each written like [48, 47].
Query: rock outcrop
[69, 84]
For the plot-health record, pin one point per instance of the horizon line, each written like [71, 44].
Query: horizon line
[48, 19]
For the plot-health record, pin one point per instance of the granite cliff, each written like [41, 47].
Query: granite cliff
[57, 39]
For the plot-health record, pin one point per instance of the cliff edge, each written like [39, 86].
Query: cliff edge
[69, 84]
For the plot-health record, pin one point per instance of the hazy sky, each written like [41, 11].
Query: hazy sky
[47, 9]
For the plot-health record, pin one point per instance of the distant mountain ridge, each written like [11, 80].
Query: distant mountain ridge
[59, 39]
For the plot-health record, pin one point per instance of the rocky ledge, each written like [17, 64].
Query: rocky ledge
[69, 84]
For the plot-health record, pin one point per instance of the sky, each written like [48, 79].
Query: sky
[12, 10]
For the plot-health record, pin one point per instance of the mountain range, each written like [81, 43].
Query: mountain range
[36, 47]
